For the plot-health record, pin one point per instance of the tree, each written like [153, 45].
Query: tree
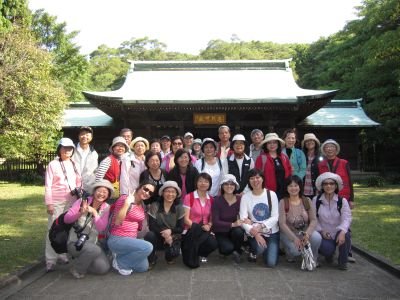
[13, 12]
[31, 101]
[70, 67]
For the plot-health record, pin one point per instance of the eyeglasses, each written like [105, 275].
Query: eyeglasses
[148, 191]
[231, 183]
[329, 183]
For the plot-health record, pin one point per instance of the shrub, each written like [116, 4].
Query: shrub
[30, 178]
[376, 181]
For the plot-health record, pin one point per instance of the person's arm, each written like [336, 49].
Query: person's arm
[274, 217]
[244, 214]
[102, 169]
[351, 199]
[178, 227]
[124, 202]
[345, 217]
[153, 225]
[312, 219]
[73, 213]
[282, 222]
[303, 164]
[48, 199]
[186, 207]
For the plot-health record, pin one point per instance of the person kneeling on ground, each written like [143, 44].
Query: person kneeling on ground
[259, 213]
[226, 225]
[166, 223]
[334, 218]
[130, 253]
[297, 220]
[90, 217]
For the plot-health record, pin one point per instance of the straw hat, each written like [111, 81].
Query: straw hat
[310, 136]
[328, 175]
[272, 137]
[140, 139]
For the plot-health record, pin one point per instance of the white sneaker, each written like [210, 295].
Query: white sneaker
[125, 272]
[203, 259]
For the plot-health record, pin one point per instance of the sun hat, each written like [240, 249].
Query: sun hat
[238, 137]
[169, 184]
[330, 141]
[104, 183]
[66, 142]
[197, 141]
[310, 136]
[208, 141]
[229, 178]
[272, 137]
[140, 139]
[328, 175]
[118, 140]
[188, 134]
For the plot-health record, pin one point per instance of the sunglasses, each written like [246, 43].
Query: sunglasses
[148, 191]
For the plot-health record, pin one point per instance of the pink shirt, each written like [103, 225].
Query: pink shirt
[100, 221]
[198, 213]
[129, 226]
[57, 186]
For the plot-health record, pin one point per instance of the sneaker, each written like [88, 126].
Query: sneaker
[351, 259]
[50, 267]
[63, 259]
[236, 257]
[343, 267]
[252, 257]
[76, 274]
[203, 259]
[124, 272]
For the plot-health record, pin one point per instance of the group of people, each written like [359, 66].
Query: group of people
[190, 197]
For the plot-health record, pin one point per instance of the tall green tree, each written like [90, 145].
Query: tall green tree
[14, 12]
[70, 67]
[31, 101]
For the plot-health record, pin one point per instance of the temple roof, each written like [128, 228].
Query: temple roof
[340, 113]
[239, 81]
[85, 114]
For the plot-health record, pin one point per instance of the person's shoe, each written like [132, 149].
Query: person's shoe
[63, 259]
[76, 274]
[203, 259]
[252, 257]
[50, 267]
[236, 257]
[329, 259]
[124, 272]
[343, 267]
[351, 259]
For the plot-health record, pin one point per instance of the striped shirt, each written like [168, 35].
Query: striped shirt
[130, 225]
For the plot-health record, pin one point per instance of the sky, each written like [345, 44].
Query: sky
[187, 26]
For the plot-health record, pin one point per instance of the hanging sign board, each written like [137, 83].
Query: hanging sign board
[209, 118]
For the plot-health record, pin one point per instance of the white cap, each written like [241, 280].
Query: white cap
[66, 142]
[188, 134]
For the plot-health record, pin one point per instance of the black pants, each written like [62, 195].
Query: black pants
[157, 241]
[230, 241]
[208, 246]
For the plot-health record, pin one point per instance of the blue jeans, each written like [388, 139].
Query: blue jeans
[270, 253]
[131, 253]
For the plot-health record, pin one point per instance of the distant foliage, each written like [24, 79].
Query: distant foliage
[375, 181]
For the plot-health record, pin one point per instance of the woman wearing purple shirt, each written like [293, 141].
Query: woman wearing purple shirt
[334, 218]
[225, 219]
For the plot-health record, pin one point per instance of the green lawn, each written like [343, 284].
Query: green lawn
[376, 221]
[23, 220]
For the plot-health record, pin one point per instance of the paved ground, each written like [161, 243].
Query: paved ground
[218, 279]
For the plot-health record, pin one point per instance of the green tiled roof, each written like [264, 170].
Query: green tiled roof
[340, 113]
[84, 114]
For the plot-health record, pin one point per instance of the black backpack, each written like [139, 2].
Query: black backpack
[58, 234]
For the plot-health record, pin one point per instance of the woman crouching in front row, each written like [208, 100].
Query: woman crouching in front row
[90, 217]
[130, 253]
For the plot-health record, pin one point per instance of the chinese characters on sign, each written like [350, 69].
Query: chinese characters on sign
[209, 119]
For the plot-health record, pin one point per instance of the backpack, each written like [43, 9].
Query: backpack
[319, 201]
[203, 163]
[58, 234]
[305, 200]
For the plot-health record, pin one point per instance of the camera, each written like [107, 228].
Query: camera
[82, 238]
[79, 192]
